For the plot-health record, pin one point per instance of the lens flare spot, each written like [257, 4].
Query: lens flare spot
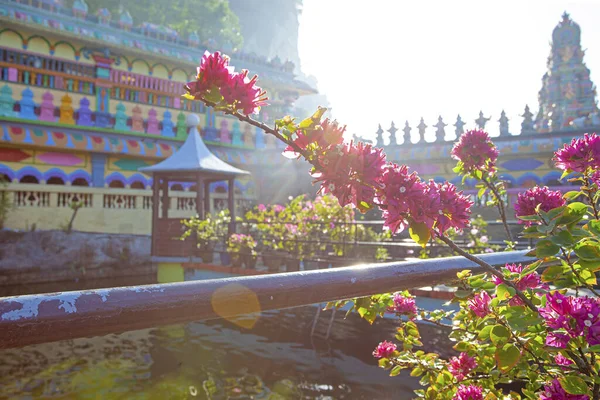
[236, 304]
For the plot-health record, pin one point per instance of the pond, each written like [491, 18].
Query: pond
[276, 359]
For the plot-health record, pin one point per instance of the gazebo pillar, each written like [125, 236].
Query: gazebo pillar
[200, 193]
[231, 204]
[155, 206]
[165, 198]
[207, 197]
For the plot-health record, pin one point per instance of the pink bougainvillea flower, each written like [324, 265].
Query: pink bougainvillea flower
[261, 208]
[558, 340]
[324, 137]
[404, 305]
[461, 366]
[562, 360]
[243, 94]
[470, 392]
[579, 156]
[455, 208]
[528, 201]
[554, 391]
[529, 281]
[476, 151]
[480, 304]
[214, 72]
[384, 349]
[400, 193]
[351, 173]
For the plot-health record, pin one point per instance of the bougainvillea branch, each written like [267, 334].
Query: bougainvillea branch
[514, 325]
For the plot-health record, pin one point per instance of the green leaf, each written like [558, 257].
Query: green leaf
[593, 349]
[565, 174]
[396, 370]
[588, 277]
[499, 334]
[504, 292]
[481, 192]
[574, 385]
[552, 273]
[590, 265]
[416, 372]
[573, 213]
[312, 121]
[533, 217]
[507, 357]
[531, 268]
[588, 250]
[545, 248]
[484, 333]
[555, 212]
[462, 294]
[563, 238]
[572, 195]
[594, 227]
[420, 233]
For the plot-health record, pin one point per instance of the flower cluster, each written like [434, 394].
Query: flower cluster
[404, 197]
[322, 138]
[351, 173]
[529, 281]
[475, 151]
[217, 82]
[543, 197]
[461, 366]
[384, 349]
[577, 316]
[582, 155]
[404, 305]
[554, 391]
[480, 304]
[471, 392]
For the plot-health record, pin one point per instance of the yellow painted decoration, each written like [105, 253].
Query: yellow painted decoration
[170, 272]
[66, 110]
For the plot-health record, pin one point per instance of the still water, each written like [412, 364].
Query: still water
[276, 359]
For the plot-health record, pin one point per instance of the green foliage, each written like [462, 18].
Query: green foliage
[6, 204]
[208, 231]
[211, 19]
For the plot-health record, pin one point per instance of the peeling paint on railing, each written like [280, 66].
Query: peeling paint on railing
[31, 319]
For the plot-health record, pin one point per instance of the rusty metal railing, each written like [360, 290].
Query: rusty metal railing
[31, 319]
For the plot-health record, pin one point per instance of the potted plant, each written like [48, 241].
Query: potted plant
[204, 232]
[266, 221]
[242, 249]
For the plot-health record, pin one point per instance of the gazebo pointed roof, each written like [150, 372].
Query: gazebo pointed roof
[194, 157]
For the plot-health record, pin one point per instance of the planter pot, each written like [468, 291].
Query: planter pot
[207, 256]
[225, 258]
[237, 260]
[292, 265]
[272, 260]
[323, 264]
[311, 265]
[250, 261]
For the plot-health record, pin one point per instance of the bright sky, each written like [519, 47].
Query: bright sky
[384, 60]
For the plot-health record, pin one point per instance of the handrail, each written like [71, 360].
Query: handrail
[32, 319]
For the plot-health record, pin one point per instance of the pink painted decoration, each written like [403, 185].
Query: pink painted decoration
[224, 135]
[137, 122]
[47, 108]
[152, 123]
[63, 159]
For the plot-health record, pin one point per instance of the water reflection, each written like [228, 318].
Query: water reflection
[274, 359]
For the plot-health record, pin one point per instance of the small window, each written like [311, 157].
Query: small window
[177, 187]
[221, 189]
[5, 178]
[55, 180]
[138, 185]
[29, 179]
[80, 182]
[116, 184]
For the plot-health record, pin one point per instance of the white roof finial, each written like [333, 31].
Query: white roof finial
[193, 120]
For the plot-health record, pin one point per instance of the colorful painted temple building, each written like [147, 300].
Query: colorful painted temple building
[87, 100]
[567, 109]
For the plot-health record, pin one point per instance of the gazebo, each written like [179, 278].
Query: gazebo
[193, 162]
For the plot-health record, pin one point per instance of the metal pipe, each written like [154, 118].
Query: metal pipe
[31, 319]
